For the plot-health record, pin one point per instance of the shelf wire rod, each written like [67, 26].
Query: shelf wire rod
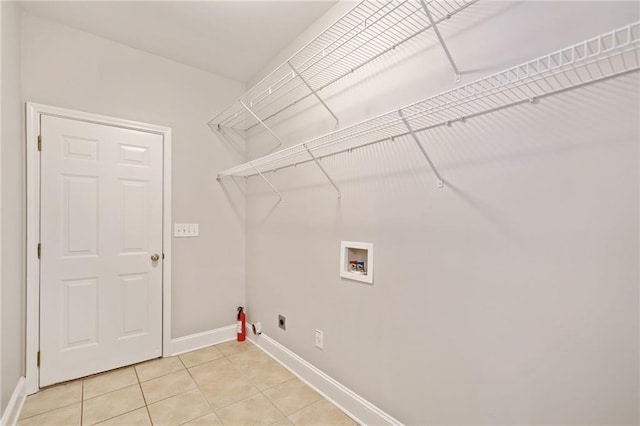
[313, 157]
[276, 86]
[348, 51]
[229, 140]
[557, 66]
[436, 8]
[466, 109]
[314, 92]
[224, 122]
[630, 38]
[587, 52]
[356, 33]
[498, 89]
[479, 113]
[612, 36]
[332, 81]
[537, 84]
[305, 47]
[375, 25]
[350, 24]
[486, 93]
[495, 89]
[444, 45]
[518, 88]
[573, 71]
[439, 124]
[263, 123]
[520, 93]
[267, 180]
[440, 181]
[351, 27]
[482, 112]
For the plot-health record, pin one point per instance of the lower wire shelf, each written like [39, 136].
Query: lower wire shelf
[599, 58]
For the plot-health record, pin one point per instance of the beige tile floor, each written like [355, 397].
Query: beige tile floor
[228, 384]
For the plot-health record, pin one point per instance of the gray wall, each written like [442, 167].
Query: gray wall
[13, 224]
[508, 297]
[73, 69]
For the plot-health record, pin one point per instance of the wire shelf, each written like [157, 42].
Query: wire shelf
[366, 32]
[596, 59]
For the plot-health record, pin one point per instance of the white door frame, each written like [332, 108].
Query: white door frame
[34, 111]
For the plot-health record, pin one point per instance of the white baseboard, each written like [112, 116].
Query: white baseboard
[361, 410]
[200, 340]
[14, 407]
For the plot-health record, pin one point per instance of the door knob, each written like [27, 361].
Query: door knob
[155, 257]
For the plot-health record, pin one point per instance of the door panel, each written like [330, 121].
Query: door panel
[101, 221]
[79, 311]
[80, 215]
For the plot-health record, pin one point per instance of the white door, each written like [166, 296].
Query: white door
[100, 231]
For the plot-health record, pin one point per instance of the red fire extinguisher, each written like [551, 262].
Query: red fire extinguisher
[241, 324]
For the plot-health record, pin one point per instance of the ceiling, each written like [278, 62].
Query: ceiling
[234, 39]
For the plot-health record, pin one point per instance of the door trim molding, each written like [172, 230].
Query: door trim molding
[33, 113]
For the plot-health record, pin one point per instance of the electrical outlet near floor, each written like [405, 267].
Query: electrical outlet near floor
[282, 322]
[319, 339]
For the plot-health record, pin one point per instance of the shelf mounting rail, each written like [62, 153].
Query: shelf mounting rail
[366, 32]
[600, 58]
[440, 181]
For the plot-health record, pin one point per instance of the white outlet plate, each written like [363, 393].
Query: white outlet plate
[182, 230]
[319, 339]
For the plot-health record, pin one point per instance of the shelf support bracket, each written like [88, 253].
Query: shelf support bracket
[295, 71]
[313, 157]
[268, 182]
[444, 45]
[440, 181]
[261, 122]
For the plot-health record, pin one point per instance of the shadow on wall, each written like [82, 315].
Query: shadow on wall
[234, 190]
[425, 45]
[476, 142]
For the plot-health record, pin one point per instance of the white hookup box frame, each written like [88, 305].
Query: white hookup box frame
[361, 252]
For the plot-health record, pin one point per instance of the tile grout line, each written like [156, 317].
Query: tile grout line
[116, 390]
[111, 418]
[199, 390]
[81, 380]
[260, 391]
[227, 357]
[298, 410]
[168, 374]
[81, 403]
[126, 412]
[144, 398]
[320, 397]
[284, 416]
[109, 392]
[55, 408]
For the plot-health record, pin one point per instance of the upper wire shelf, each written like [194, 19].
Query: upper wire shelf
[596, 59]
[366, 32]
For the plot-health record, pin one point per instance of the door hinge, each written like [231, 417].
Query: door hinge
[38, 358]
[162, 256]
[39, 250]
[39, 143]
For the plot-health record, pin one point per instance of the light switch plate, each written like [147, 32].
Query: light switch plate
[186, 230]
